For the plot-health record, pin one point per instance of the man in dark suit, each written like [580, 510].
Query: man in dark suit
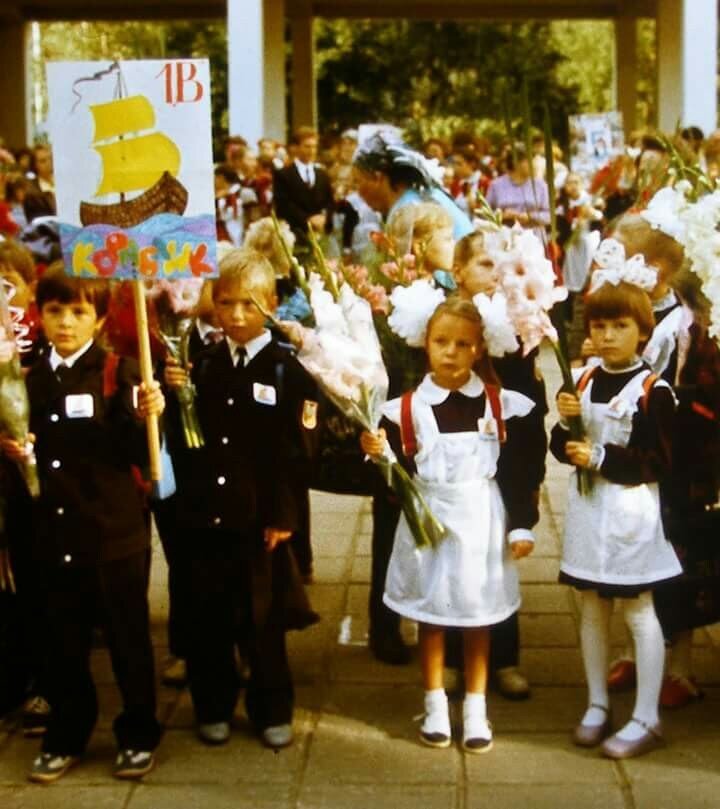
[302, 191]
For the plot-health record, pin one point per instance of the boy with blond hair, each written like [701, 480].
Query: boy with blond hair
[258, 411]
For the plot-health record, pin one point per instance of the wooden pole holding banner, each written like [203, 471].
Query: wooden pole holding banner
[146, 372]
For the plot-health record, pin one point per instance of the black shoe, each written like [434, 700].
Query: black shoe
[390, 648]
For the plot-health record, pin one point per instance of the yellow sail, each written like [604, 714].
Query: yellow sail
[136, 164]
[121, 117]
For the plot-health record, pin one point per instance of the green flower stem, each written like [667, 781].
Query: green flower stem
[575, 423]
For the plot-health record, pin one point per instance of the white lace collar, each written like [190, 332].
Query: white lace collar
[433, 394]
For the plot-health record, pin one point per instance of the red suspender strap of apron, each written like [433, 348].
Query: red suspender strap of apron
[648, 382]
[110, 384]
[582, 383]
[493, 397]
[407, 428]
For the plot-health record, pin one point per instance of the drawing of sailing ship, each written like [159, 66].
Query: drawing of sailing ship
[133, 160]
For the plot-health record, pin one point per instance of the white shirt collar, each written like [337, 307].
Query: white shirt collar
[665, 302]
[252, 347]
[55, 359]
[433, 394]
[204, 329]
[305, 170]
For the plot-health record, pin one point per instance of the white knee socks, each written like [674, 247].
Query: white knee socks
[595, 644]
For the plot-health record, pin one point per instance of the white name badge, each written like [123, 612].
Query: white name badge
[264, 394]
[79, 406]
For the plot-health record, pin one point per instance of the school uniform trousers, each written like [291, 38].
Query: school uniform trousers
[90, 545]
[245, 481]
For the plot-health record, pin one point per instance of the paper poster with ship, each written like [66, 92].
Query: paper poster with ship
[132, 154]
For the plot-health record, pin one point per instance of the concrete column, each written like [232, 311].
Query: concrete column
[626, 70]
[15, 125]
[687, 64]
[304, 95]
[256, 68]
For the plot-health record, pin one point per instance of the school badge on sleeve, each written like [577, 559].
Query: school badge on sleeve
[309, 414]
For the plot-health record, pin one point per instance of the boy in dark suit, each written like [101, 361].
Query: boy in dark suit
[258, 411]
[302, 191]
[91, 535]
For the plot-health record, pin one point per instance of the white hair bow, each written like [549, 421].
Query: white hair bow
[614, 268]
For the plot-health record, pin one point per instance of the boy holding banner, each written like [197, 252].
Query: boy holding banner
[91, 535]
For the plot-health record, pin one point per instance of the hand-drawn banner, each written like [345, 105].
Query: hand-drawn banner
[133, 168]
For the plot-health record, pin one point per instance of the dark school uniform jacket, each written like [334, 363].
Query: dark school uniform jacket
[259, 422]
[90, 508]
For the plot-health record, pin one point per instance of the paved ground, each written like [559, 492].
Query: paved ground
[356, 740]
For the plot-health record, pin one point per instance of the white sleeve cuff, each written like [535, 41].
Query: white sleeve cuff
[520, 535]
[597, 456]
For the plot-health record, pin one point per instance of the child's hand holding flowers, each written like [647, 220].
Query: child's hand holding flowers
[373, 444]
[175, 375]
[15, 450]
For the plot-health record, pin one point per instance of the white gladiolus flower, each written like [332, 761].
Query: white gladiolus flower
[498, 331]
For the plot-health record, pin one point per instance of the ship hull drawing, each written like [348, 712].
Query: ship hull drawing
[168, 195]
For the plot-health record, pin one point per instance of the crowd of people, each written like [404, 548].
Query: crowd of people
[467, 425]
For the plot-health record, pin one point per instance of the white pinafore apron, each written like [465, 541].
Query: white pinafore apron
[615, 535]
[469, 579]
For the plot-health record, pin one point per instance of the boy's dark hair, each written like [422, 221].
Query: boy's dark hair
[469, 155]
[303, 133]
[515, 156]
[611, 301]
[228, 173]
[17, 257]
[55, 285]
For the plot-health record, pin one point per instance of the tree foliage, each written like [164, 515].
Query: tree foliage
[421, 74]
[431, 78]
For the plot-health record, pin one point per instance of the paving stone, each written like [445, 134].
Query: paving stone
[552, 666]
[211, 796]
[357, 599]
[368, 754]
[361, 569]
[538, 570]
[329, 542]
[329, 569]
[355, 664]
[549, 710]
[547, 630]
[327, 599]
[548, 598]
[538, 759]
[325, 502]
[350, 796]
[67, 794]
[363, 545]
[701, 793]
[183, 759]
[685, 761]
[542, 796]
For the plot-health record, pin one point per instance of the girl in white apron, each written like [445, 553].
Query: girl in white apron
[467, 441]
[614, 545]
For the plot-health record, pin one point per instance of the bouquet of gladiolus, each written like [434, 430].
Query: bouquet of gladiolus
[174, 303]
[343, 354]
[695, 226]
[14, 404]
[527, 292]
